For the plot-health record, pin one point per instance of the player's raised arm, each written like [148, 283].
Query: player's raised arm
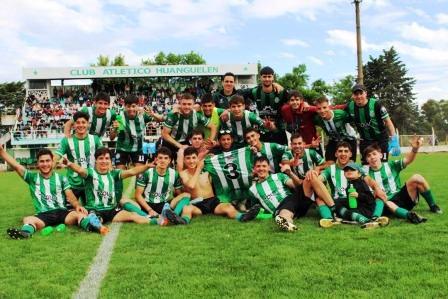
[68, 128]
[166, 135]
[294, 181]
[11, 161]
[75, 167]
[213, 130]
[415, 143]
[136, 170]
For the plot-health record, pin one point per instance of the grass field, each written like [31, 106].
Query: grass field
[216, 257]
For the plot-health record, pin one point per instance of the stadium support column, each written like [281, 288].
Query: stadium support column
[360, 79]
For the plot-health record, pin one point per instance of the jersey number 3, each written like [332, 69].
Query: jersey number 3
[232, 170]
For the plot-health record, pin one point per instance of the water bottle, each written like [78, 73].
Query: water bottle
[121, 123]
[352, 201]
[61, 228]
[46, 231]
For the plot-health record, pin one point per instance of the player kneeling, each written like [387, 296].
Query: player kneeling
[49, 191]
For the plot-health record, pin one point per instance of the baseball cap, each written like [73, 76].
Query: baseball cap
[351, 166]
[267, 70]
[358, 87]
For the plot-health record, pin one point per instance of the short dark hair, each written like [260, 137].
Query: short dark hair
[260, 159]
[295, 93]
[371, 148]
[207, 98]
[81, 114]
[344, 144]
[223, 132]
[163, 150]
[187, 96]
[196, 131]
[321, 100]
[295, 136]
[236, 99]
[130, 99]
[101, 152]
[190, 151]
[102, 96]
[251, 129]
[43, 152]
[228, 74]
[267, 70]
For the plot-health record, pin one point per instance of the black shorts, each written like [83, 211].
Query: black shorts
[330, 149]
[52, 218]
[207, 206]
[297, 203]
[125, 158]
[158, 207]
[384, 145]
[364, 208]
[107, 215]
[80, 195]
[403, 199]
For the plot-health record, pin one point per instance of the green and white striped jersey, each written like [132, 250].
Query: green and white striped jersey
[388, 176]
[334, 176]
[309, 160]
[237, 127]
[47, 194]
[81, 152]
[231, 173]
[159, 188]
[272, 191]
[336, 127]
[100, 189]
[130, 139]
[274, 152]
[181, 126]
[99, 124]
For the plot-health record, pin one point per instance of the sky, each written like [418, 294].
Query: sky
[281, 34]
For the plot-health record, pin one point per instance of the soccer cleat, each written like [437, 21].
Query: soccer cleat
[174, 218]
[94, 222]
[436, 209]
[370, 225]
[104, 230]
[17, 234]
[327, 223]
[251, 214]
[284, 225]
[382, 220]
[413, 217]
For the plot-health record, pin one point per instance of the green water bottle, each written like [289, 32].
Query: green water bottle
[352, 202]
[121, 123]
[61, 228]
[47, 231]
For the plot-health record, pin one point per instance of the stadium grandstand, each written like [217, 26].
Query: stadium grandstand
[54, 94]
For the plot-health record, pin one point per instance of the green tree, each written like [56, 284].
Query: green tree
[102, 60]
[435, 113]
[386, 78]
[341, 91]
[12, 94]
[174, 59]
[297, 79]
[119, 60]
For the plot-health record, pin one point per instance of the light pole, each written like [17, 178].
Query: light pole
[360, 79]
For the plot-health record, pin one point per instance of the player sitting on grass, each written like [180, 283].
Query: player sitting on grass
[160, 185]
[359, 203]
[49, 191]
[401, 198]
[198, 183]
[100, 188]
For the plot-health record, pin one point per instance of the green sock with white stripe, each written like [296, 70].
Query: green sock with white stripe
[359, 218]
[379, 206]
[133, 208]
[325, 212]
[28, 228]
[427, 195]
[84, 223]
[401, 213]
[184, 201]
[187, 219]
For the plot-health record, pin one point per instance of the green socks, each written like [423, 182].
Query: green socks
[28, 228]
[187, 219]
[325, 212]
[238, 216]
[185, 201]
[153, 221]
[84, 223]
[427, 195]
[133, 208]
[359, 218]
[401, 213]
[379, 206]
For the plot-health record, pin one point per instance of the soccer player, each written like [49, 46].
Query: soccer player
[401, 198]
[100, 115]
[240, 120]
[130, 135]
[80, 149]
[335, 124]
[178, 126]
[334, 176]
[197, 141]
[273, 151]
[222, 97]
[198, 183]
[49, 192]
[225, 141]
[211, 112]
[373, 123]
[100, 188]
[159, 185]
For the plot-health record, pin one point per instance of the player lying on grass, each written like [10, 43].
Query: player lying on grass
[198, 183]
[401, 198]
[160, 185]
[49, 192]
[359, 204]
[100, 188]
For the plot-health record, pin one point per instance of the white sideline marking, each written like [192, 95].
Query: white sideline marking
[91, 284]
